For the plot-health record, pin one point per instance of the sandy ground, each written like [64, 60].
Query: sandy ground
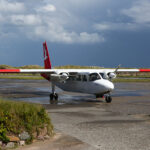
[82, 122]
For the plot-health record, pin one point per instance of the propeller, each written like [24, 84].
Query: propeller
[117, 69]
[113, 75]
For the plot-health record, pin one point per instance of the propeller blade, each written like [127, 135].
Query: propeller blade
[117, 69]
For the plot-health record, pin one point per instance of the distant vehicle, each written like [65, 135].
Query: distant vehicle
[92, 81]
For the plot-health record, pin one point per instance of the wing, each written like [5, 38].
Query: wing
[59, 75]
[71, 71]
[50, 71]
[133, 70]
[46, 73]
[124, 70]
[112, 73]
[55, 75]
[63, 74]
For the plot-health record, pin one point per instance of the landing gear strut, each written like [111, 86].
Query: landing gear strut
[108, 99]
[99, 95]
[53, 96]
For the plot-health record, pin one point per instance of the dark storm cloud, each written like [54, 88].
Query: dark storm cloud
[98, 29]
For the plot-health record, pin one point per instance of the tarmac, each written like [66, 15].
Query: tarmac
[82, 122]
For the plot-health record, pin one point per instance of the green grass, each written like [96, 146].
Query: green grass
[21, 67]
[16, 117]
[130, 80]
[77, 67]
[22, 77]
[146, 75]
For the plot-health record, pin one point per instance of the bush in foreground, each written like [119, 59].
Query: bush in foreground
[17, 117]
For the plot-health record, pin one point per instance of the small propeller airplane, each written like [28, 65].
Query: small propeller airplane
[92, 81]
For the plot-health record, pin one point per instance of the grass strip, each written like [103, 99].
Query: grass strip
[130, 80]
[22, 77]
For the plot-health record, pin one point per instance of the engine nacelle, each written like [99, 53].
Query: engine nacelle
[64, 76]
[59, 77]
[112, 75]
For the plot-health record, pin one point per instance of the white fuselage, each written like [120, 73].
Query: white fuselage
[100, 86]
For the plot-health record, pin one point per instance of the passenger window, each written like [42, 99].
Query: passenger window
[84, 78]
[94, 76]
[72, 78]
[79, 78]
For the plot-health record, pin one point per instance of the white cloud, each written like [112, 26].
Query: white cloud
[47, 8]
[102, 26]
[139, 12]
[56, 33]
[61, 26]
[85, 37]
[25, 19]
[6, 6]
[106, 26]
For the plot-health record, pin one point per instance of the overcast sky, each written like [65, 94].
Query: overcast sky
[78, 32]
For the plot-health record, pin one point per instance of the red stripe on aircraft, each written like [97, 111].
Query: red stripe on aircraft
[144, 70]
[9, 70]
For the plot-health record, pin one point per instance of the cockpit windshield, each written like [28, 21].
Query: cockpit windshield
[94, 76]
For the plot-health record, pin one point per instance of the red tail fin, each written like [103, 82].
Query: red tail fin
[47, 62]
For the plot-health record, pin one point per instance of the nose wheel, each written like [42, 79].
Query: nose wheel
[108, 99]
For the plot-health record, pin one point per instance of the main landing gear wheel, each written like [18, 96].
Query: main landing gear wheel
[53, 98]
[108, 99]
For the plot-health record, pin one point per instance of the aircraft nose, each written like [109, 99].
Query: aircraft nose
[110, 86]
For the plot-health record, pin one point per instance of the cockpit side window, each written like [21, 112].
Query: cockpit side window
[94, 76]
[103, 75]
